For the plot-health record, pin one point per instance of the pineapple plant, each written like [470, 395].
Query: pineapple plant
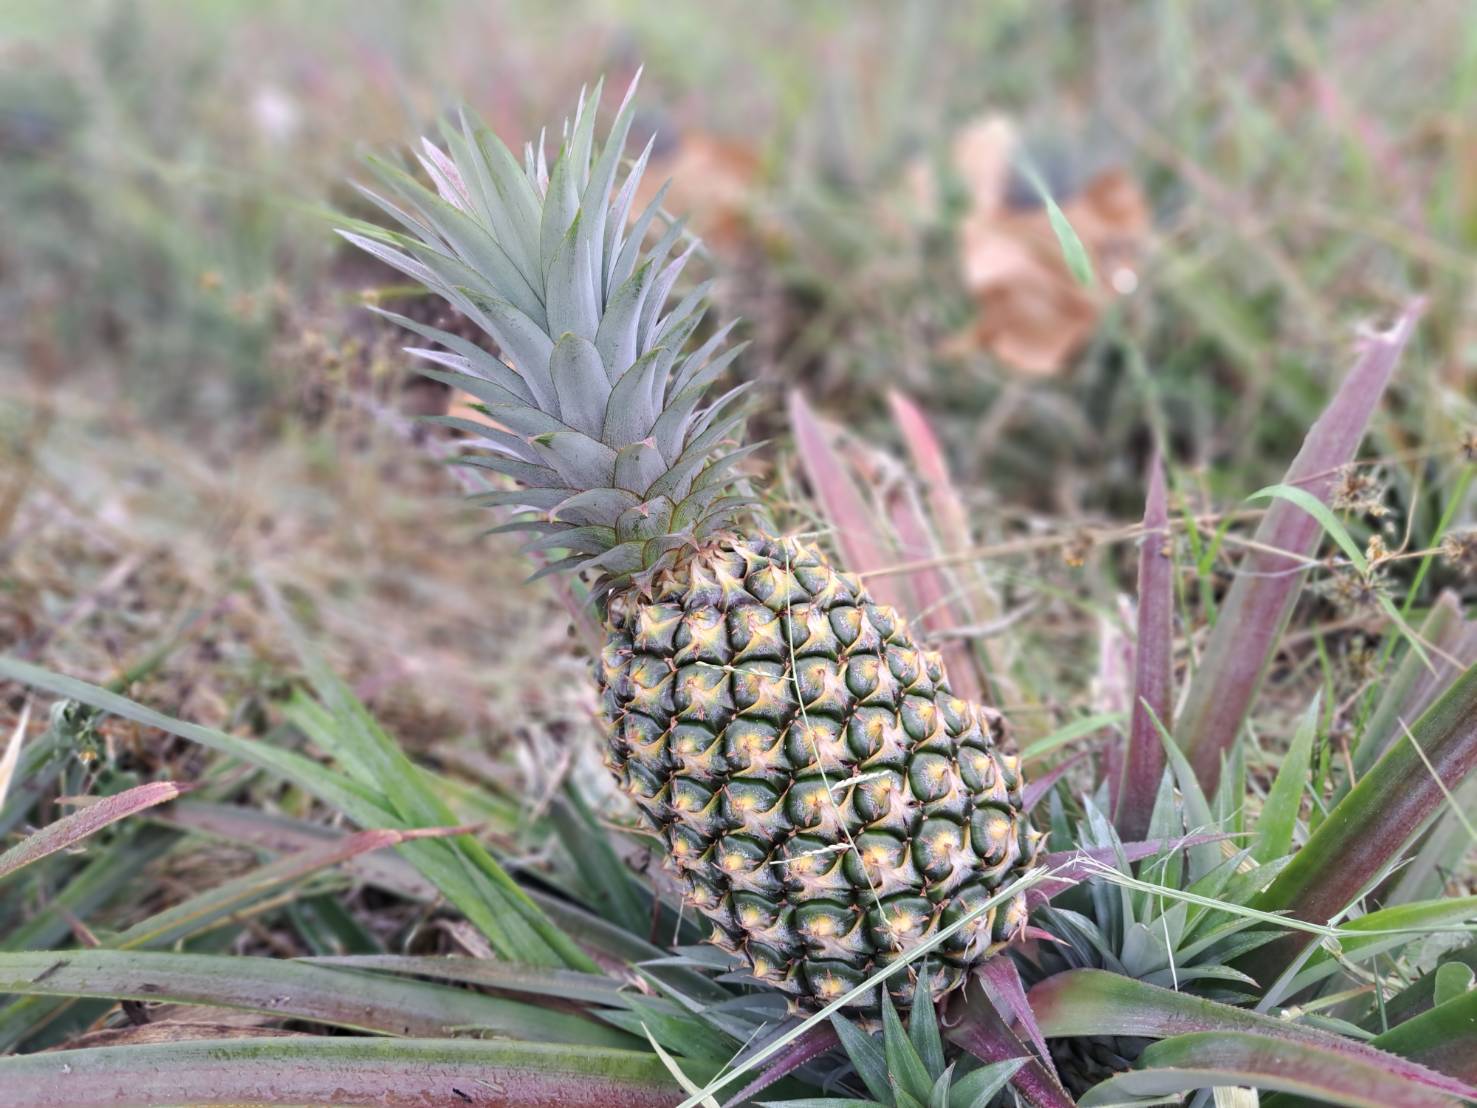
[825, 800]
[1145, 936]
[1292, 934]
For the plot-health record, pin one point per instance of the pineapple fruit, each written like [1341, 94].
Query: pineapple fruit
[825, 800]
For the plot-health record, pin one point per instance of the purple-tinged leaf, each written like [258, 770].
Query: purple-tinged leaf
[862, 551]
[1203, 1060]
[1114, 688]
[1092, 1002]
[399, 1073]
[278, 834]
[1443, 1038]
[1262, 596]
[923, 446]
[71, 830]
[1372, 826]
[1002, 984]
[810, 1046]
[978, 600]
[975, 1025]
[1153, 668]
[933, 593]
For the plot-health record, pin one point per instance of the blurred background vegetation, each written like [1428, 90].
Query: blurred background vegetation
[191, 393]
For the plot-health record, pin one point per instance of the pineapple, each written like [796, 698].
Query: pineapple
[825, 800]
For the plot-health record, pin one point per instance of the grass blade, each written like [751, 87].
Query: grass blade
[463, 871]
[1430, 916]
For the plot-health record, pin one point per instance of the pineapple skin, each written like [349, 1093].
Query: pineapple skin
[823, 835]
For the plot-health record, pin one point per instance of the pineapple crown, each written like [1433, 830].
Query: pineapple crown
[597, 405]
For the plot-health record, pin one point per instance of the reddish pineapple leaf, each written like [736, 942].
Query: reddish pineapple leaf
[1153, 670]
[1208, 1059]
[811, 1045]
[975, 1025]
[862, 550]
[933, 593]
[1261, 599]
[923, 446]
[1089, 1001]
[1002, 984]
[71, 830]
[978, 600]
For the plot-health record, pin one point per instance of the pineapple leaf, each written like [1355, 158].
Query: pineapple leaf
[615, 338]
[569, 294]
[594, 506]
[579, 381]
[1372, 826]
[1256, 609]
[595, 200]
[905, 1069]
[866, 1056]
[647, 333]
[282, 987]
[312, 1069]
[470, 240]
[512, 206]
[581, 461]
[625, 263]
[1321, 1071]
[923, 1032]
[629, 413]
[620, 212]
[478, 361]
[977, 1088]
[1443, 1037]
[525, 473]
[638, 466]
